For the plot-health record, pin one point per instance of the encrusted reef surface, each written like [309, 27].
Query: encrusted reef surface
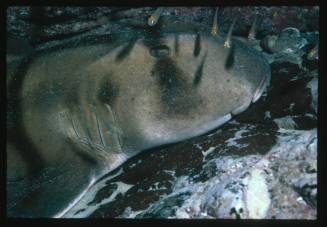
[41, 24]
[262, 164]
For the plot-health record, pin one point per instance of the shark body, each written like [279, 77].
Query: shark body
[77, 113]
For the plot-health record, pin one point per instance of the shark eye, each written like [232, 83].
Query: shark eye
[160, 51]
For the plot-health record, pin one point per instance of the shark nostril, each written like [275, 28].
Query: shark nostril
[160, 51]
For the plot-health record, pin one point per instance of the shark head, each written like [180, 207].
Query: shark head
[178, 86]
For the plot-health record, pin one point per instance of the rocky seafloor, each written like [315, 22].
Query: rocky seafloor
[261, 164]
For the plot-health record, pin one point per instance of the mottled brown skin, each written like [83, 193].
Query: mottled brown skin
[84, 111]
